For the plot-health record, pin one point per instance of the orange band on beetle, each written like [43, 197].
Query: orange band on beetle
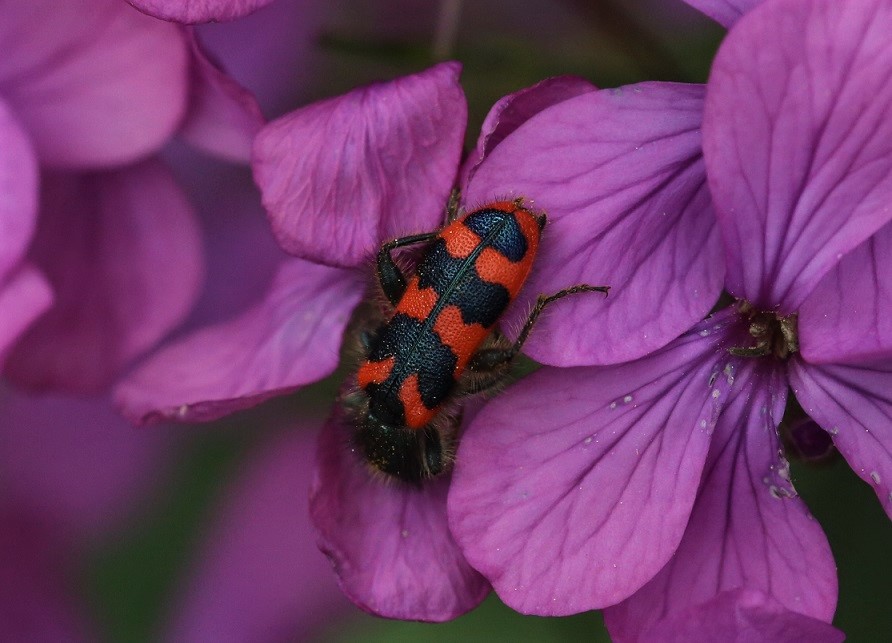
[375, 372]
[417, 414]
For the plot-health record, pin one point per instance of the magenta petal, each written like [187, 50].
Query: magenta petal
[24, 296]
[341, 175]
[389, 542]
[854, 404]
[223, 116]
[95, 82]
[193, 11]
[123, 254]
[261, 545]
[289, 339]
[620, 175]
[798, 142]
[573, 488]
[18, 191]
[514, 110]
[76, 462]
[748, 527]
[271, 52]
[724, 12]
[743, 615]
[846, 317]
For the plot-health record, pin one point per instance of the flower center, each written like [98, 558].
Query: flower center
[773, 334]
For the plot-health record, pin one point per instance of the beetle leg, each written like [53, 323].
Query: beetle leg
[391, 278]
[488, 359]
[453, 207]
[544, 301]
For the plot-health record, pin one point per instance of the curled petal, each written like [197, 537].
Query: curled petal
[724, 12]
[846, 317]
[18, 191]
[95, 82]
[739, 615]
[620, 175]
[289, 339]
[798, 142]
[122, 251]
[340, 176]
[854, 404]
[76, 462]
[573, 488]
[748, 527]
[194, 11]
[261, 545]
[389, 542]
[223, 116]
[24, 296]
[514, 110]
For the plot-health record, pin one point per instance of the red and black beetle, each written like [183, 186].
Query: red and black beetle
[440, 343]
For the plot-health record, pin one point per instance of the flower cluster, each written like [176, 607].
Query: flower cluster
[100, 257]
[88, 98]
[742, 225]
[656, 487]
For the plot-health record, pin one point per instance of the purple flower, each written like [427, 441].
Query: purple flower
[341, 176]
[661, 482]
[88, 96]
[75, 463]
[197, 11]
[71, 473]
[35, 602]
[260, 544]
[24, 292]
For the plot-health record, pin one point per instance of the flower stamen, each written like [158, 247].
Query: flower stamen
[774, 334]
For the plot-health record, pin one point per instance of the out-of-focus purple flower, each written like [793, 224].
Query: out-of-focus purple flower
[662, 481]
[195, 11]
[222, 117]
[36, 601]
[75, 462]
[338, 178]
[272, 52]
[262, 544]
[71, 473]
[120, 248]
[94, 84]
[24, 292]
[88, 90]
